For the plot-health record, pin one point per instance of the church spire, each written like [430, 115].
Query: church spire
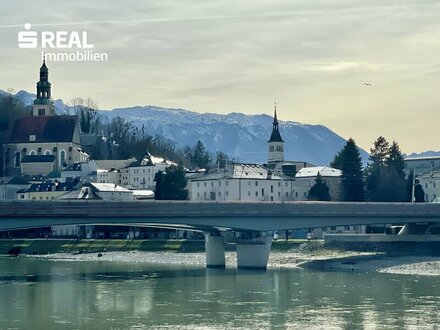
[275, 120]
[43, 104]
[44, 86]
[275, 136]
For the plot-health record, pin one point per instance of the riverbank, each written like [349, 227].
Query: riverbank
[50, 246]
[364, 263]
[383, 263]
[290, 254]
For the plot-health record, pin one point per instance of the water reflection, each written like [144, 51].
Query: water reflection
[47, 294]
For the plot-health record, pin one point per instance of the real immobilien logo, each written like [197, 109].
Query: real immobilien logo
[76, 43]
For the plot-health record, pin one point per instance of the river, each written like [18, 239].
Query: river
[48, 294]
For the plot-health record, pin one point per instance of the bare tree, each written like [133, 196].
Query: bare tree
[86, 110]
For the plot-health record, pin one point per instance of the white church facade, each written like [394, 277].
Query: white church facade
[43, 142]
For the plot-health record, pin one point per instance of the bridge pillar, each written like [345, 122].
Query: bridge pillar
[253, 249]
[215, 250]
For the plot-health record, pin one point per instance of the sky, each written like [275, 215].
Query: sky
[312, 57]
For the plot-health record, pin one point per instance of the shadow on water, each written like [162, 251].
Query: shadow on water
[152, 271]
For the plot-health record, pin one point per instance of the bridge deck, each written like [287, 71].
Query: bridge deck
[205, 215]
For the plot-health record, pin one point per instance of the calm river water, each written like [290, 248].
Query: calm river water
[45, 294]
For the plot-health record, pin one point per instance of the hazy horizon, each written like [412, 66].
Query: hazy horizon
[312, 57]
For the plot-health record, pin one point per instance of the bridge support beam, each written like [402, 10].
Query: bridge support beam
[215, 250]
[253, 249]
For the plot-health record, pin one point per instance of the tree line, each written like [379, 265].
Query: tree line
[121, 139]
[383, 179]
[10, 110]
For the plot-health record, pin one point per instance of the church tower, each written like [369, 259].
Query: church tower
[275, 143]
[43, 104]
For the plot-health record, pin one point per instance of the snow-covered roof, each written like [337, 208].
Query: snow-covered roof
[324, 171]
[149, 159]
[421, 158]
[109, 187]
[143, 193]
[238, 171]
[107, 171]
[113, 164]
[82, 152]
[249, 171]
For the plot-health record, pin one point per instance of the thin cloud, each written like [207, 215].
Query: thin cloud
[396, 9]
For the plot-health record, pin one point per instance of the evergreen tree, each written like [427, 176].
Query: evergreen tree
[200, 156]
[396, 165]
[390, 186]
[396, 159]
[409, 186]
[10, 110]
[380, 151]
[385, 176]
[376, 169]
[319, 191]
[174, 184]
[338, 160]
[419, 194]
[158, 178]
[349, 162]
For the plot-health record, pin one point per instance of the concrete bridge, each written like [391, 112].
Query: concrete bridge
[254, 222]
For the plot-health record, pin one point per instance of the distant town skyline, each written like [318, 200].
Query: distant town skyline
[363, 70]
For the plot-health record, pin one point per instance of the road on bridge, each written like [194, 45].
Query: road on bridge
[211, 216]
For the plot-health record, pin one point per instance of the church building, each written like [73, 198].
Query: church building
[275, 160]
[43, 142]
[275, 143]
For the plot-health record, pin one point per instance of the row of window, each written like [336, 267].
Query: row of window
[41, 197]
[136, 171]
[433, 184]
[212, 194]
[136, 179]
[205, 184]
[43, 94]
[346, 228]
[62, 156]
[278, 148]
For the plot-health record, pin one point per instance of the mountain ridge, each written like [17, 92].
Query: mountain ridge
[243, 137]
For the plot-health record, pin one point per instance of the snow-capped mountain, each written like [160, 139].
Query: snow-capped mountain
[242, 137]
[429, 153]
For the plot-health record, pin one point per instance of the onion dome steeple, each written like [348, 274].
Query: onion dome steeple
[43, 104]
[43, 86]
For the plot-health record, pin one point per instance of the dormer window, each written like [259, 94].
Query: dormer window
[32, 138]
